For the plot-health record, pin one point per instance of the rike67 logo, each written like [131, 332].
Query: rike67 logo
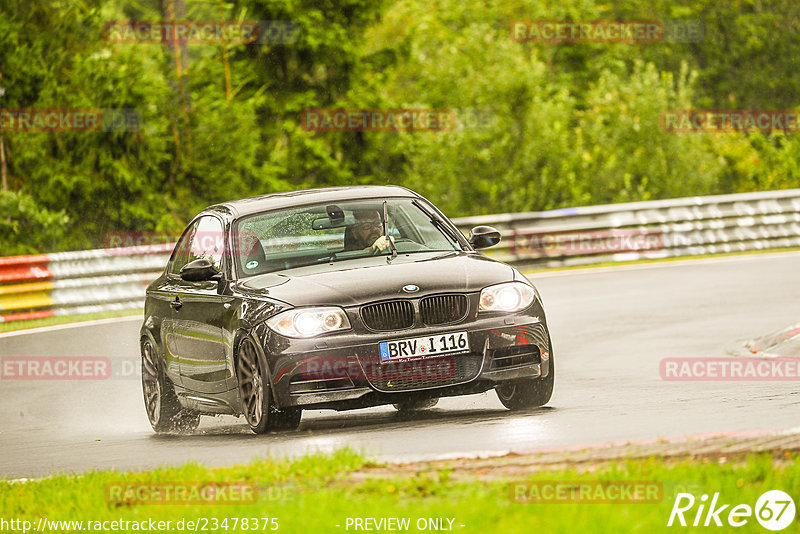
[774, 510]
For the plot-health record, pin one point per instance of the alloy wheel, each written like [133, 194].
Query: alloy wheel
[251, 383]
[151, 385]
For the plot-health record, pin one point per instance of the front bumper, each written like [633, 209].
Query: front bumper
[344, 371]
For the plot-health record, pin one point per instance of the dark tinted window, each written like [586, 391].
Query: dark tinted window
[205, 239]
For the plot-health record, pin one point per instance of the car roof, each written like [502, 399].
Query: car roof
[290, 199]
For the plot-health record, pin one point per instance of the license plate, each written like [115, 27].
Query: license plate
[428, 346]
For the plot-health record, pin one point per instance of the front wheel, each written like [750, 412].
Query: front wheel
[160, 401]
[259, 410]
[528, 392]
[286, 419]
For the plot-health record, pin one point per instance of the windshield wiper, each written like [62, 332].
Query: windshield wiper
[386, 234]
[437, 223]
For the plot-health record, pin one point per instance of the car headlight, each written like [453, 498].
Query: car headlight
[506, 297]
[309, 322]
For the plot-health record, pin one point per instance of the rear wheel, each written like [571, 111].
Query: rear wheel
[160, 401]
[254, 390]
[528, 392]
[416, 405]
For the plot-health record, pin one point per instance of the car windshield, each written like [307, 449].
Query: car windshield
[326, 233]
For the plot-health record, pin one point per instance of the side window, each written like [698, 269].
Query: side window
[208, 241]
[204, 240]
[181, 255]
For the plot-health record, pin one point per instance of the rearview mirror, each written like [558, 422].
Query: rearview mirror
[484, 237]
[326, 223]
[199, 270]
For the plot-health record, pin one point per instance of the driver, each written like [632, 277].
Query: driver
[366, 233]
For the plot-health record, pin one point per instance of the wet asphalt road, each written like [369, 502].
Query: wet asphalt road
[610, 328]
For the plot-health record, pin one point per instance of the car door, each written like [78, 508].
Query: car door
[197, 312]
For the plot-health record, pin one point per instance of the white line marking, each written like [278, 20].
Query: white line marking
[42, 329]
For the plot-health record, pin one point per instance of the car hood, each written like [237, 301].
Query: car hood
[363, 280]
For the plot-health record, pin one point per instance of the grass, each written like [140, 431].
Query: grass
[318, 492]
[66, 319]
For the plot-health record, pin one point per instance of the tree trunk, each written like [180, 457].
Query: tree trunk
[3, 169]
[175, 10]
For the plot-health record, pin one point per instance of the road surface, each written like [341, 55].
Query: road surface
[610, 329]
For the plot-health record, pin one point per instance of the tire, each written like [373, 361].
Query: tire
[160, 401]
[285, 420]
[528, 393]
[416, 405]
[254, 391]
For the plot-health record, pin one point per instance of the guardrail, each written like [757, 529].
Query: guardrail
[646, 230]
[66, 283]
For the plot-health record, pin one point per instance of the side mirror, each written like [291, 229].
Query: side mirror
[484, 237]
[199, 270]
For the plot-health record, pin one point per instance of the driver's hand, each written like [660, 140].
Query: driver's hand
[381, 244]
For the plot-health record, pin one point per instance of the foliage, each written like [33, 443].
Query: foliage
[26, 227]
[539, 126]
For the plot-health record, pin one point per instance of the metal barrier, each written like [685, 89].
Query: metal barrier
[646, 230]
[66, 283]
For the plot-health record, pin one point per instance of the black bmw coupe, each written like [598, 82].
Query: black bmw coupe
[336, 298]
